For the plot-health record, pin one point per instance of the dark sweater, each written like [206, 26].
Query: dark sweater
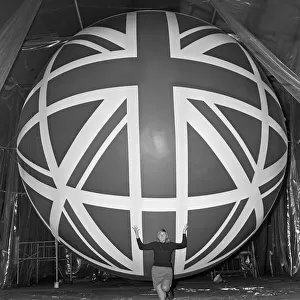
[162, 251]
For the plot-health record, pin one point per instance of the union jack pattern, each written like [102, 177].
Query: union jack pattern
[153, 119]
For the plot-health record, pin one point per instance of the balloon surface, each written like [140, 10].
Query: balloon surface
[154, 119]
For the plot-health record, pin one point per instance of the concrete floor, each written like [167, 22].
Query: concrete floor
[193, 288]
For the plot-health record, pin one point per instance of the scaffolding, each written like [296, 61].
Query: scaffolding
[41, 251]
[243, 263]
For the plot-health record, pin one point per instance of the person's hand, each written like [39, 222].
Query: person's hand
[185, 227]
[136, 231]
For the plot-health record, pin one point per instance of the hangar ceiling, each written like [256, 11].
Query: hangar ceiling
[57, 21]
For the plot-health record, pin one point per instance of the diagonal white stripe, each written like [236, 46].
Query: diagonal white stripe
[205, 44]
[112, 35]
[86, 136]
[195, 29]
[41, 188]
[100, 152]
[33, 165]
[89, 45]
[97, 263]
[218, 146]
[95, 232]
[235, 134]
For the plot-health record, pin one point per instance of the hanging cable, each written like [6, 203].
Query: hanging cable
[78, 14]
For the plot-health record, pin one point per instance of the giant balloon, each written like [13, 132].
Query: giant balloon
[154, 119]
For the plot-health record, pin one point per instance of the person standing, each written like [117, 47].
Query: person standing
[162, 271]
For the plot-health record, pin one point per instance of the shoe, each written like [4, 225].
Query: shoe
[170, 295]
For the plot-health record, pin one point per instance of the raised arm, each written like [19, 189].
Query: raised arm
[183, 244]
[141, 245]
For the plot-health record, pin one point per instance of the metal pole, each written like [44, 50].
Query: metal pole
[78, 14]
[71, 267]
[37, 262]
[256, 273]
[213, 17]
[56, 283]
[18, 261]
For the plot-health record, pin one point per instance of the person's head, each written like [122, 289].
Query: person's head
[162, 236]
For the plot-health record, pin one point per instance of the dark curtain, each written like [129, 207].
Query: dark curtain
[10, 104]
[270, 32]
[12, 35]
[18, 219]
